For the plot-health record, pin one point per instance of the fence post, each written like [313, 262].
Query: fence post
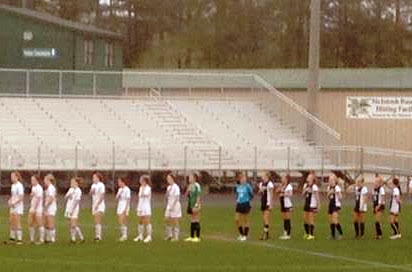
[361, 158]
[113, 161]
[185, 163]
[322, 161]
[288, 161]
[75, 159]
[220, 164]
[94, 83]
[256, 164]
[38, 159]
[60, 83]
[27, 82]
[149, 162]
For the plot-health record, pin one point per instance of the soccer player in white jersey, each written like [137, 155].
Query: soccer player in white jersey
[50, 208]
[285, 195]
[266, 192]
[97, 192]
[361, 206]
[123, 206]
[173, 209]
[36, 210]
[73, 197]
[312, 203]
[378, 204]
[15, 204]
[144, 210]
[334, 194]
[395, 208]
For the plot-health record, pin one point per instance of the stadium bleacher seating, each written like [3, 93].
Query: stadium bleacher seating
[63, 133]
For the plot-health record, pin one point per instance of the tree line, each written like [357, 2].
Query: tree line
[247, 33]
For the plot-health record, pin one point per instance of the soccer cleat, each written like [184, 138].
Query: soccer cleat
[196, 240]
[19, 242]
[138, 239]
[123, 239]
[148, 239]
[379, 237]
[244, 238]
[97, 239]
[395, 237]
[310, 237]
[189, 239]
[174, 239]
[72, 241]
[399, 236]
[39, 243]
[284, 237]
[239, 238]
[305, 236]
[338, 237]
[82, 241]
[168, 238]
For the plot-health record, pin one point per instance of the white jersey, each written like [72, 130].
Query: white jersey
[97, 191]
[36, 203]
[310, 196]
[267, 193]
[287, 197]
[144, 204]
[50, 193]
[123, 200]
[173, 206]
[74, 195]
[17, 191]
[337, 196]
[395, 201]
[362, 198]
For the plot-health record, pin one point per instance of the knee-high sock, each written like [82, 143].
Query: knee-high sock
[288, 226]
[79, 233]
[311, 229]
[306, 228]
[176, 232]
[32, 233]
[140, 230]
[333, 230]
[98, 231]
[197, 230]
[149, 230]
[41, 234]
[362, 228]
[192, 229]
[339, 228]
[378, 229]
[356, 225]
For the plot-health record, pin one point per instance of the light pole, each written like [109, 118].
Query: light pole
[313, 75]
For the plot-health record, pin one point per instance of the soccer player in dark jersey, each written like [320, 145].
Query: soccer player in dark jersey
[266, 191]
[378, 205]
[244, 194]
[334, 194]
[395, 208]
[285, 195]
[193, 207]
[361, 206]
[311, 194]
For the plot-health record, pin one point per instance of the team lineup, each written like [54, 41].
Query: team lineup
[43, 207]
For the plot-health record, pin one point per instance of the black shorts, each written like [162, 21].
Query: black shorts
[285, 210]
[333, 209]
[243, 208]
[265, 208]
[380, 209]
[309, 209]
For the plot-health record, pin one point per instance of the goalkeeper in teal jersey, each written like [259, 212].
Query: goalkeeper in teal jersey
[193, 207]
[244, 195]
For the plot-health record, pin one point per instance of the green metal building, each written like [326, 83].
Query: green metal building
[35, 40]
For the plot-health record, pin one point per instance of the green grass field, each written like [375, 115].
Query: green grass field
[218, 250]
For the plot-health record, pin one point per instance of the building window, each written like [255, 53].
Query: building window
[109, 56]
[88, 52]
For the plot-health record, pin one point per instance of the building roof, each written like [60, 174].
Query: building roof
[45, 17]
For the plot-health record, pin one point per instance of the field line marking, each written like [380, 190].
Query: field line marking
[315, 253]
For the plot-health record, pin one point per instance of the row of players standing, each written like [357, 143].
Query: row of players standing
[43, 209]
[244, 195]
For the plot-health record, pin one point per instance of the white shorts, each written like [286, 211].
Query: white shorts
[38, 212]
[144, 211]
[73, 215]
[100, 209]
[17, 210]
[122, 208]
[176, 212]
[50, 211]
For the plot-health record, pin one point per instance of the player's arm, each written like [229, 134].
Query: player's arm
[317, 198]
[250, 191]
[19, 198]
[351, 188]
